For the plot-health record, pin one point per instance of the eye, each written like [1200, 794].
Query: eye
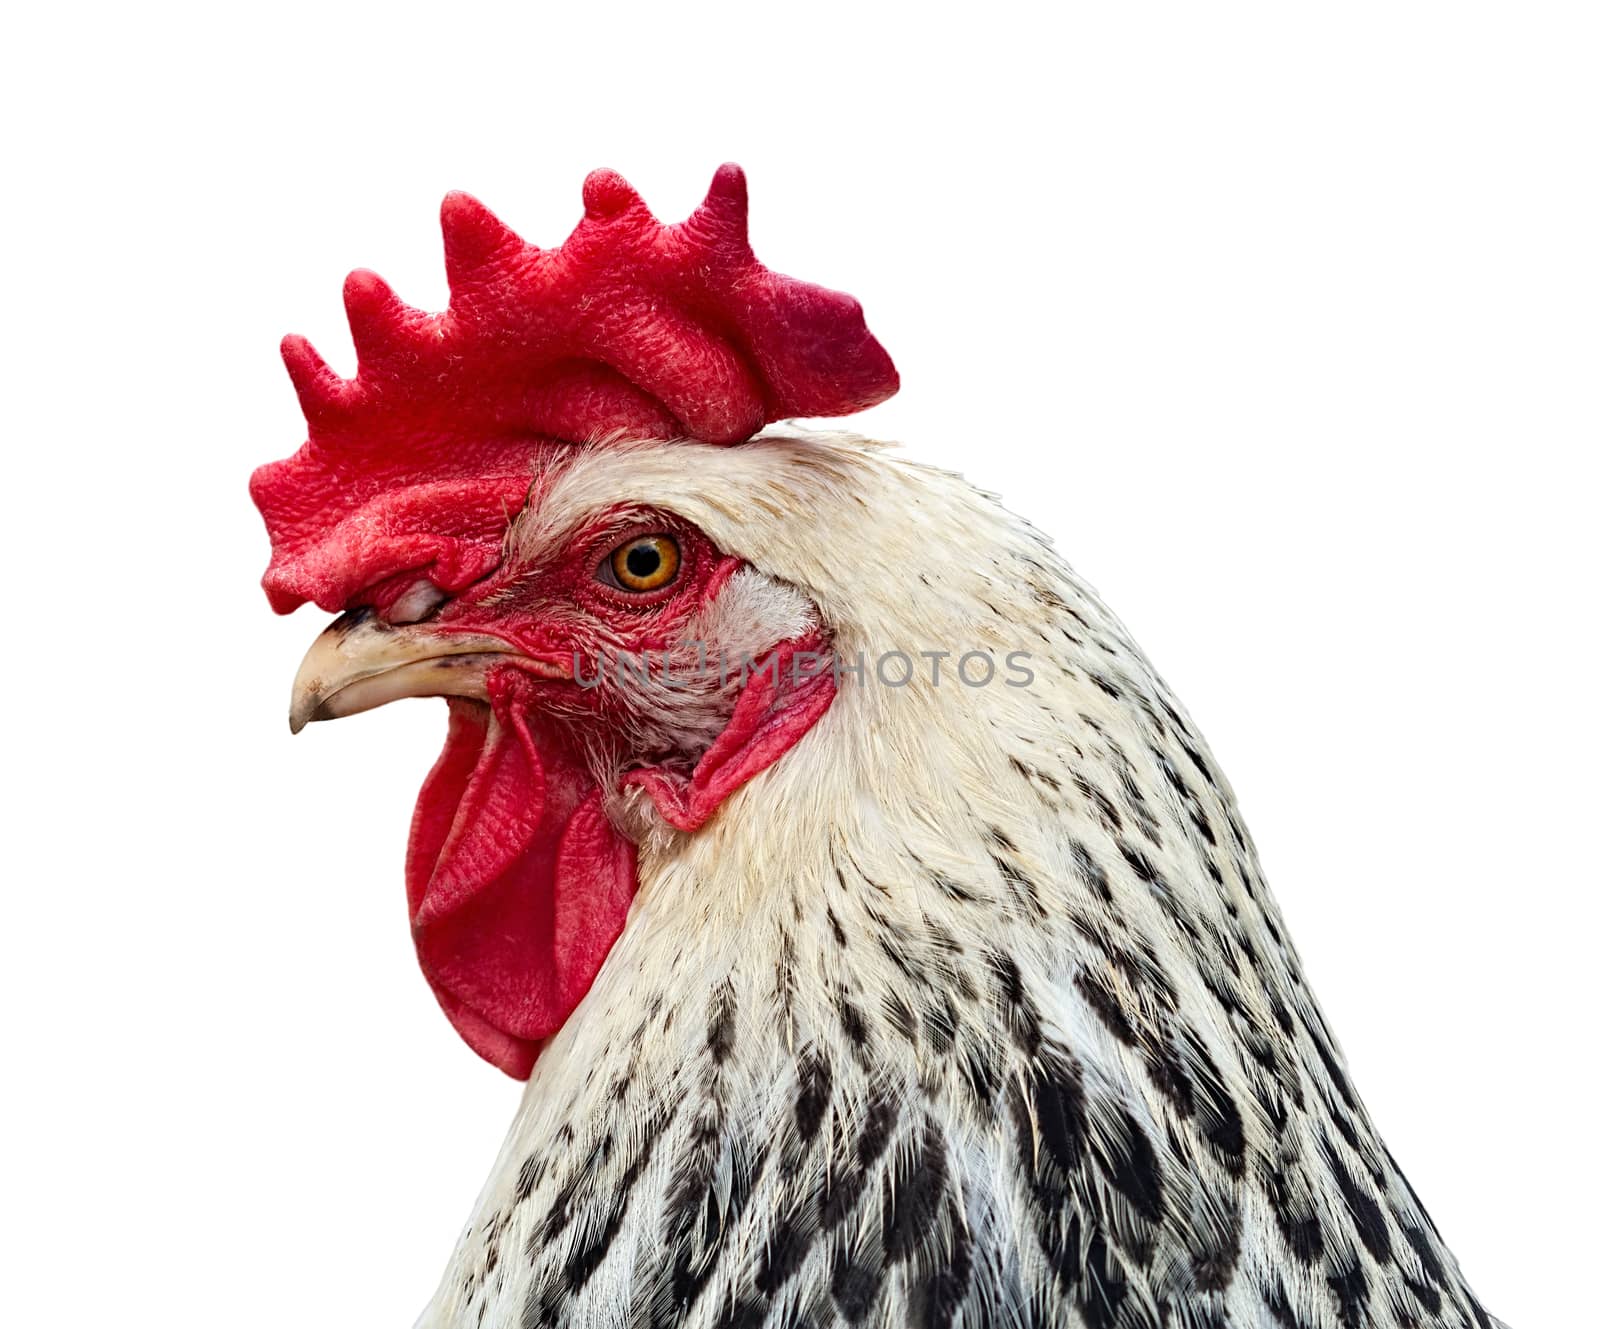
[646, 563]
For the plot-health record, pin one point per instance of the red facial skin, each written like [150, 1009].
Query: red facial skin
[518, 883]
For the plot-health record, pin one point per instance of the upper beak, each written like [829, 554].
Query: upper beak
[360, 662]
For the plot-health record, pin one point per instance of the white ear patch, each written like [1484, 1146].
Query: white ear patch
[751, 614]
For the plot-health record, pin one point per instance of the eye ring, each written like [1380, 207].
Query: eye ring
[644, 563]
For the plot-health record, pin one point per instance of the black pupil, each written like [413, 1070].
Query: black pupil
[643, 561]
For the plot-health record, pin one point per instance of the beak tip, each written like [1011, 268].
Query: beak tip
[303, 711]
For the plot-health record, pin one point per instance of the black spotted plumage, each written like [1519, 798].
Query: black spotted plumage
[982, 1017]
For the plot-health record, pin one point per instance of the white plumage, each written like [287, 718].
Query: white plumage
[972, 1010]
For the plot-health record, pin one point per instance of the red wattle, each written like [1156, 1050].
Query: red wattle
[516, 882]
[774, 712]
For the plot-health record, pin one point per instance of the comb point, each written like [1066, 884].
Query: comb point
[605, 194]
[727, 204]
[473, 236]
[375, 313]
[315, 384]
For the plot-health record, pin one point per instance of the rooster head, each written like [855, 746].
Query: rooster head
[609, 668]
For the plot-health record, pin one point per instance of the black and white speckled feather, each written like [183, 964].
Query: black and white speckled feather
[973, 1012]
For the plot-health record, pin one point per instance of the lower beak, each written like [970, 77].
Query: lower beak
[360, 662]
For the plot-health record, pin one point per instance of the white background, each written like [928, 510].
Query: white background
[1282, 319]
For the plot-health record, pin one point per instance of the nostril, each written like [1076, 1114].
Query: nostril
[351, 619]
[416, 602]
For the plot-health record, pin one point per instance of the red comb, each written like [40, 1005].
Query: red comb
[630, 326]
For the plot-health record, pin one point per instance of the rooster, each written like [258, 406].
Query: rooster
[877, 936]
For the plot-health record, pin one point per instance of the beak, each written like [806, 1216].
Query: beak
[360, 662]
